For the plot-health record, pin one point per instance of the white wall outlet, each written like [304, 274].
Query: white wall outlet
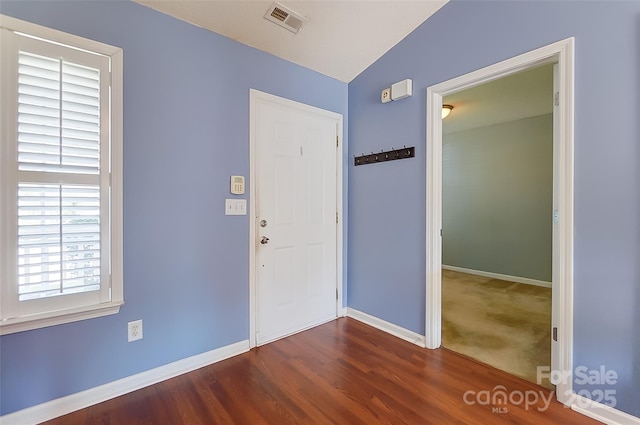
[385, 96]
[134, 330]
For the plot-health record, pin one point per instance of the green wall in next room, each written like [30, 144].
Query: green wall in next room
[497, 198]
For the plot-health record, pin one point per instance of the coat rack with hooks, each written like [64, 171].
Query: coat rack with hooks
[384, 156]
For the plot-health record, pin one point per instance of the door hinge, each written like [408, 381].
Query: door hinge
[336, 217]
[555, 334]
[337, 141]
[556, 98]
[336, 293]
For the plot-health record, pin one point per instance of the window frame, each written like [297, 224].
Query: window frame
[8, 174]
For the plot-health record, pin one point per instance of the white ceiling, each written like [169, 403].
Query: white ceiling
[525, 94]
[341, 38]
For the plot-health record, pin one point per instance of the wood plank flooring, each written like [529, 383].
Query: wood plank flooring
[343, 372]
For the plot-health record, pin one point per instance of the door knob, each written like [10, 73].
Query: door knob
[264, 240]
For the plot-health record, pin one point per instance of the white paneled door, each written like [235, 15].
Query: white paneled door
[295, 177]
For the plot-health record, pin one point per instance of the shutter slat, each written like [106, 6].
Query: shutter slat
[79, 161]
[41, 159]
[80, 135]
[71, 124]
[39, 110]
[37, 259]
[31, 277]
[35, 148]
[56, 168]
[81, 152]
[82, 82]
[89, 116]
[81, 143]
[80, 107]
[29, 291]
[27, 128]
[90, 92]
[80, 99]
[32, 194]
[30, 99]
[81, 71]
[38, 61]
[39, 120]
[24, 210]
[43, 82]
[25, 259]
[38, 139]
[47, 95]
[29, 230]
[30, 242]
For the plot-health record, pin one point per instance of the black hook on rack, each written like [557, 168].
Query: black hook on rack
[384, 156]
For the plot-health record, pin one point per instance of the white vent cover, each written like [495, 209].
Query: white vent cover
[285, 17]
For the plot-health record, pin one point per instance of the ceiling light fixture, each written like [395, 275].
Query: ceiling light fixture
[446, 110]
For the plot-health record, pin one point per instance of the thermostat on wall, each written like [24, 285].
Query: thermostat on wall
[237, 185]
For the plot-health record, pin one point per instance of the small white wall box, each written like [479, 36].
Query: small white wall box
[401, 89]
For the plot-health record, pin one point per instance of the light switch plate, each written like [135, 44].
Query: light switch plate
[235, 207]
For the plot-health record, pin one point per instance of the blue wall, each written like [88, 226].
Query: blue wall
[387, 201]
[186, 130]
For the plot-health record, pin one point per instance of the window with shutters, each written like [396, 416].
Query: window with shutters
[61, 177]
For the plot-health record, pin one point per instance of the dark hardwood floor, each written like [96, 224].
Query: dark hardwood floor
[343, 372]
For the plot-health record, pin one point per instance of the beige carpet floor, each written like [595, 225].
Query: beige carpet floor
[504, 324]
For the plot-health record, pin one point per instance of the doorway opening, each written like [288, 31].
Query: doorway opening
[497, 193]
[561, 55]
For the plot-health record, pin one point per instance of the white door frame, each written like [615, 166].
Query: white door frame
[561, 53]
[256, 96]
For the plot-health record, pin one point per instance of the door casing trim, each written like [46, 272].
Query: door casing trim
[256, 96]
[562, 53]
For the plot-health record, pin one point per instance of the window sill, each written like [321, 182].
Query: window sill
[27, 323]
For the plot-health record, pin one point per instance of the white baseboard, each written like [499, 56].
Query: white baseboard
[516, 279]
[64, 405]
[603, 413]
[387, 327]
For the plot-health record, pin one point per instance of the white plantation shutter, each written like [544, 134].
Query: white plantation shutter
[58, 132]
[58, 240]
[58, 115]
[56, 164]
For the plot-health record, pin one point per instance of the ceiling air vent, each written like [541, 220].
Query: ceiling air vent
[285, 17]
